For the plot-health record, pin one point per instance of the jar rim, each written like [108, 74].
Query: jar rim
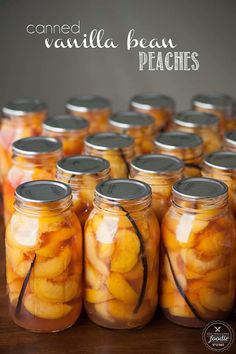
[178, 140]
[118, 190]
[37, 145]
[86, 103]
[83, 165]
[222, 160]
[195, 119]
[109, 141]
[199, 188]
[157, 164]
[131, 119]
[42, 191]
[152, 100]
[23, 106]
[65, 123]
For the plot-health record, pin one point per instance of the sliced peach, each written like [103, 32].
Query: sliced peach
[213, 244]
[169, 239]
[176, 262]
[121, 289]
[135, 273]
[93, 278]
[91, 251]
[215, 301]
[181, 311]
[54, 266]
[125, 255]
[172, 299]
[97, 295]
[51, 223]
[119, 310]
[102, 310]
[56, 291]
[44, 309]
[218, 274]
[199, 265]
[105, 250]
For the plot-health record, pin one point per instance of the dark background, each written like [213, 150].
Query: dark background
[27, 68]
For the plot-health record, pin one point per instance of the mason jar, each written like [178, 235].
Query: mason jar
[139, 126]
[198, 255]
[44, 258]
[186, 146]
[229, 142]
[222, 166]
[160, 107]
[206, 125]
[21, 118]
[223, 106]
[83, 173]
[70, 130]
[95, 109]
[33, 159]
[121, 255]
[160, 172]
[116, 148]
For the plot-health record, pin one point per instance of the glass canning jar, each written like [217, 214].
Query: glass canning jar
[21, 118]
[70, 130]
[198, 254]
[160, 172]
[33, 159]
[95, 109]
[121, 255]
[186, 146]
[116, 148]
[44, 258]
[83, 173]
[160, 107]
[206, 125]
[229, 142]
[222, 166]
[223, 106]
[140, 126]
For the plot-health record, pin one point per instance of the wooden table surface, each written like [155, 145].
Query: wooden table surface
[160, 336]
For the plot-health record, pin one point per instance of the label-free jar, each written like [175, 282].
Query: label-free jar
[95, 109]
[160, 172]
[70, 130]
[186, 146]
[33, 159]
[206, 125]
[44, 258]
[116, 148]
[222, 166]
[121, 255]
[138, 125]
[21, 118]
[224, 106]
[198, 255]
[83, 173]
[160, 107]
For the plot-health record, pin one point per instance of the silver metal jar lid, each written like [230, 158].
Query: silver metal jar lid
[200, 188]
[42, 191]
[193, 119]
[83, 164]
[173, 140]
[127, 120]
[65, 123]
[152, 100]
[214, 100]
[230, 137]
[87, 103]
[22, 106]
[123, 189]
[108, 141]
[157, 163]
[36, 145]
[223, 160]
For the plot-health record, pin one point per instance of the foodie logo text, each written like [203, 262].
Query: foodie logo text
[218, 336]
[155, 54]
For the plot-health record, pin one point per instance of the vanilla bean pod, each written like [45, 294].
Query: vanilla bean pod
[23, 288]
